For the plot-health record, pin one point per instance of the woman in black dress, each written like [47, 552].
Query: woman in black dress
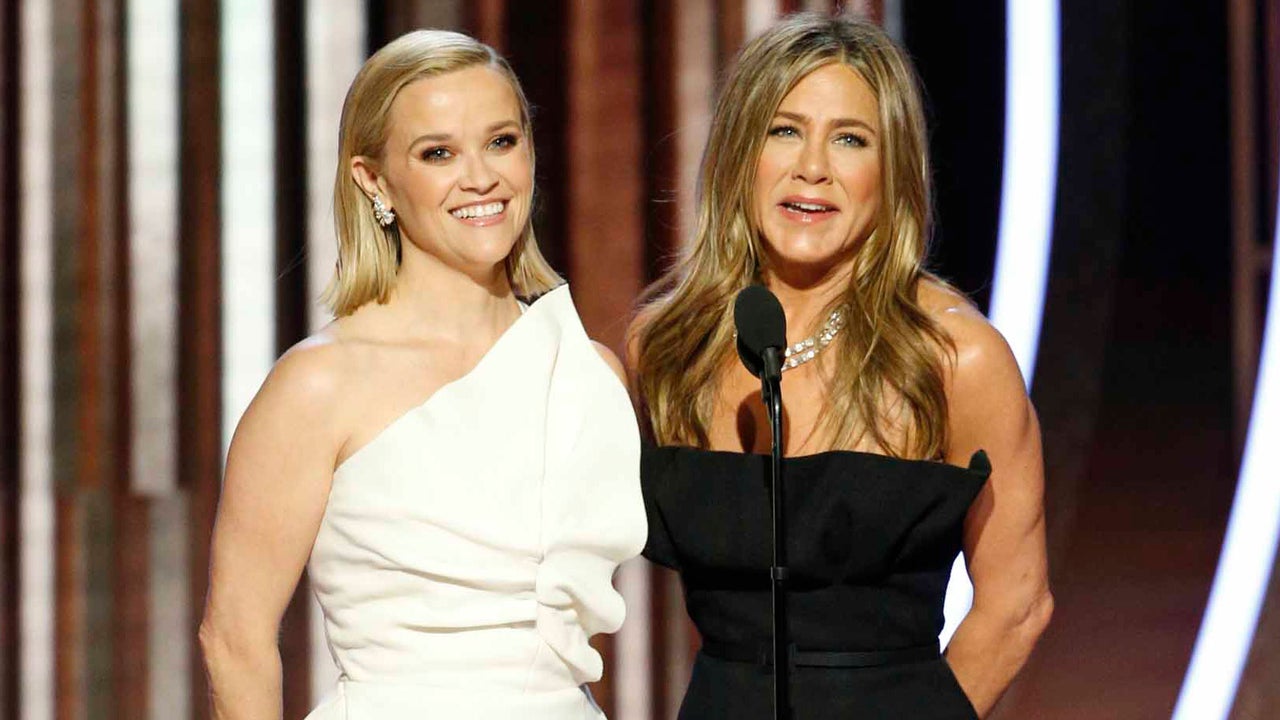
[908, 432]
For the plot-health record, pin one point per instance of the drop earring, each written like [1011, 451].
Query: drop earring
[384, 215]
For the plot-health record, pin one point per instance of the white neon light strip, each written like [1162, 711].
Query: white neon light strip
[335, 50]
[1244, 568]
[248, 205]
[1026, 207]
[1030, 176]
[36, 508]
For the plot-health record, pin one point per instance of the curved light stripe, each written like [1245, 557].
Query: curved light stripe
[1030, 176]
[1249, 549]
[1026, 207]
[248, 205]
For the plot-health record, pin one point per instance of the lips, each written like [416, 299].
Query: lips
[805, 209]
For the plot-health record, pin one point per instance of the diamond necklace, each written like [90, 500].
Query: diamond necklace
[808, 348]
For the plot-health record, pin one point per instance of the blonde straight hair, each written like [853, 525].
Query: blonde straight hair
[368, 254]
[888, 372]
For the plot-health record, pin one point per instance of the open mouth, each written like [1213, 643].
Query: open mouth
[807, 208]
[480, 211]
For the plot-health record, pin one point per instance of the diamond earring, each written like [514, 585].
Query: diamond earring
[382, 213]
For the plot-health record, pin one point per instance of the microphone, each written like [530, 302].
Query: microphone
[762, 335]
[762, 331]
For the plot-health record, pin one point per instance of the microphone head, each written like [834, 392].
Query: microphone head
[758, 316]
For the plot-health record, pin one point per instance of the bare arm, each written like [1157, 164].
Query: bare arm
[279, 470]
[1004, 535]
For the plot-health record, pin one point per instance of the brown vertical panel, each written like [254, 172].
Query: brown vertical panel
[402, 16]
[662, 228]
[69, 235]
[731, 24]
[131, 556]
[1271, 96]
[10, 366]
[536, 49]
[605, 229]
[679, 79]
[1246, 167]
[605, 250]
[291, 292]
[112, 602]
[69, 614]
[486, 20]
[662, 123]
[199, 268]
[375, 25]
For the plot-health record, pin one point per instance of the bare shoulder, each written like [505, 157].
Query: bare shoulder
[987, 401]
[612, 360]
[303, 394]
[981, 353]
[310, 372]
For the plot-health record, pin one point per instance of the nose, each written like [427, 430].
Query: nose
[477, 176]
[812, 165]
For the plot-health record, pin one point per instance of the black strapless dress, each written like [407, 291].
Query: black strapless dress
[871, 540]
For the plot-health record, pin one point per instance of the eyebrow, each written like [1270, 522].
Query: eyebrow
[445, 137]
[836, 122]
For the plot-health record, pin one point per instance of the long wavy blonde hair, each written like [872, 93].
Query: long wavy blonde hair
[368, 254]
[887, 382]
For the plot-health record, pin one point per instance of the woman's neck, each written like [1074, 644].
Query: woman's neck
[432, 301]
[805, 296]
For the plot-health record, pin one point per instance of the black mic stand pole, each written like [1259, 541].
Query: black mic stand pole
[771, 392]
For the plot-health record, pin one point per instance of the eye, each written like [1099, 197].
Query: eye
[504, 142]
[436, 154]
[784, 131]
[851, 140]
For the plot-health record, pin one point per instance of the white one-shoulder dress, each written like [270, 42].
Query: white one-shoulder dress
[466, 553]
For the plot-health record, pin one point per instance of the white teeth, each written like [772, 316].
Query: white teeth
[478, 211]
[807, 207]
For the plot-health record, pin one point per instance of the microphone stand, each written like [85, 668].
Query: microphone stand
[771, 393]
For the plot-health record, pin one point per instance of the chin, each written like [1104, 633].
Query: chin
[806, 254]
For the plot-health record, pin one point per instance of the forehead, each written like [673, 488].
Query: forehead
[478, 95]
[833, 91]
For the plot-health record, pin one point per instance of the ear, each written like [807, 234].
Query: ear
[365, 172]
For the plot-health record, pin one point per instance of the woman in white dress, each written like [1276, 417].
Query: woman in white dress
[457, 469]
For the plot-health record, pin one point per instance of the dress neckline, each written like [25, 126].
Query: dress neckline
[450, 386]
[979, 464]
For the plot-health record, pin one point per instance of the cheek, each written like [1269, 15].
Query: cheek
[517, 168]
[424, 187]
[863, 181]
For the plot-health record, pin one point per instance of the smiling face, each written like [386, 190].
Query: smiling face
[817, 185]
[456, 168]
